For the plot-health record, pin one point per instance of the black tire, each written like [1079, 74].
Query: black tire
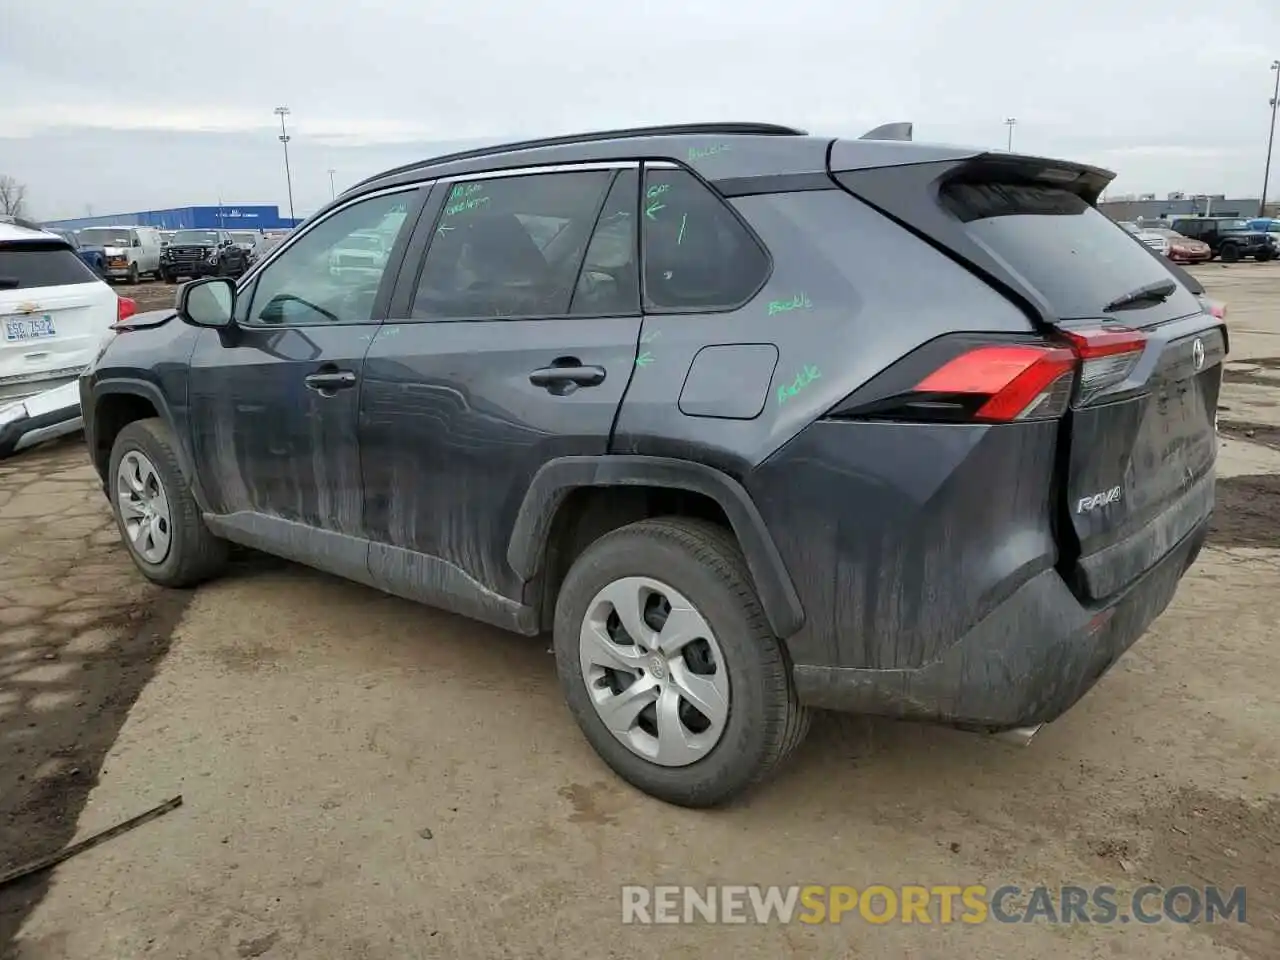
[195, 554]
[1264, 256]
[168, 277]
[1230, 253]
[701, 560]
[133, 274]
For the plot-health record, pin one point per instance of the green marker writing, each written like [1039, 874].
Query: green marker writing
[644, 359]
[805, 377]
[800, 301]
[684, 218]
[653, 208]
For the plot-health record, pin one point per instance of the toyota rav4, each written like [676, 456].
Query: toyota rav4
[750, 421]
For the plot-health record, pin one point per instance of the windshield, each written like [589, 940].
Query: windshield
[104, 237]
[1232, 225]
[244, 236]
[195, 237]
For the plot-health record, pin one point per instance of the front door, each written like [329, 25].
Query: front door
[511, 342]
[274, 399]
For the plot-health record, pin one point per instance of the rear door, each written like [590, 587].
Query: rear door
[53, 314]
[1139, 443]
[511, 341]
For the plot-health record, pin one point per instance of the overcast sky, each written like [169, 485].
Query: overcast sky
[144, 104]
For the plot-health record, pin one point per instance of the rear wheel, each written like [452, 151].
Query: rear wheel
[1230, 253]
[669, 666]
[133, 274]
[158, 518]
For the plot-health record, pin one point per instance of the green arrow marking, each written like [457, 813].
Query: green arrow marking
[644, 359]
[653, 208]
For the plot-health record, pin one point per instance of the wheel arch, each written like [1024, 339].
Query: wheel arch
[119, 401]
[557, 480]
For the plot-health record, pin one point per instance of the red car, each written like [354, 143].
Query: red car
[1175, 246]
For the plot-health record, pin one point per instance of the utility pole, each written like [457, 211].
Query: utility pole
[283, 112]
[332, 194]
[1266, 174]
[1011, 122]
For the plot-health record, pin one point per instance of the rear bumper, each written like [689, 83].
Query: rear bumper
[52, 413]
[1025, 663]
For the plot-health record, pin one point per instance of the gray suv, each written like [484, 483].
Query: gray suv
[750, 421]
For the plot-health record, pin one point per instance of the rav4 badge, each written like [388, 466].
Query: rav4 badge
[1098, 500]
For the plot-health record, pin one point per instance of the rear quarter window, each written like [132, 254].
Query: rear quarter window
[1063, 247]
[30, 265]
[697, 254]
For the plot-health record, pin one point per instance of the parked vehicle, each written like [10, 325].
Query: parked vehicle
[247, 240]
[269, 242]
[1175, 246]
[680, 397]
[1227, 237]
[129, 251]
[54, 313]
[95, 258]
[202, 253]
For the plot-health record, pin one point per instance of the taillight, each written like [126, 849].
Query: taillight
[1006, 382]
[1108, 355]
[126, 307]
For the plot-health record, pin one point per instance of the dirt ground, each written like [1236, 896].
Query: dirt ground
[363, 777]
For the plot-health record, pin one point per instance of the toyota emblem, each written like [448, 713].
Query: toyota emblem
[1197, 353]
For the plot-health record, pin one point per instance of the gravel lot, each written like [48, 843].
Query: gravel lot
[368, 778]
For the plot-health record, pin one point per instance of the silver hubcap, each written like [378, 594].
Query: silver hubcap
[144, 508]
[654, 671]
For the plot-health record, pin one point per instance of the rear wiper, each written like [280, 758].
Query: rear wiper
[1157, 292]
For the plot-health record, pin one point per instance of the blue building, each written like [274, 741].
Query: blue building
[227, 216]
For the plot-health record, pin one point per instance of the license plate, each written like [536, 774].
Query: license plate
[28, 328]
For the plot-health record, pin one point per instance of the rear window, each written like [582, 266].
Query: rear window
[1074, 256]
[26, 266]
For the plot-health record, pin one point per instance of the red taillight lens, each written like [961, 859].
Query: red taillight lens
[1019, 381]
[1109, 355]
[126, 307]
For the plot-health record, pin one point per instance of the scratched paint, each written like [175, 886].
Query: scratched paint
[800, 301]
[805, 377]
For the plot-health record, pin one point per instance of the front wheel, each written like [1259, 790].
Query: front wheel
[158, 518]
[133, 274]
[669, 666]
[1230, 253]
[1264, 255]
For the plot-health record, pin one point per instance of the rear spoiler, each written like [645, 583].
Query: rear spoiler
[889, 131]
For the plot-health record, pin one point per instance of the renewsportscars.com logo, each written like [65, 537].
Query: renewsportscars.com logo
[939, 904]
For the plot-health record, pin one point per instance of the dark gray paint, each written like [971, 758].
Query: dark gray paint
[729, 381]
[912, 567]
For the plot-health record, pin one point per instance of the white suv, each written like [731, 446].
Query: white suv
[54, 313]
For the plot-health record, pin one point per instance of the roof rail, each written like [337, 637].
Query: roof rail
[889, 131]
[669, 130]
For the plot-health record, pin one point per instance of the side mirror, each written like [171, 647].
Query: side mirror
[136, 242]
[209, 302]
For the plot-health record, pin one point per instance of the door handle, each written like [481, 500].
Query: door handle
[330, 381]
[575, 373]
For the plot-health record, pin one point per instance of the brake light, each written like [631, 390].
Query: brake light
[1013, 381]
[1108, 356]
[126, 307]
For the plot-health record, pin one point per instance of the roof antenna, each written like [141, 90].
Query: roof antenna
[889, 131]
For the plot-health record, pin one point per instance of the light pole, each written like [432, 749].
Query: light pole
[332, 194]
[1011, 122]
[1266, 174]
[283, 112]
